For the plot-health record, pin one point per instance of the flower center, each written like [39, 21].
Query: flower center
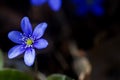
[29, 42]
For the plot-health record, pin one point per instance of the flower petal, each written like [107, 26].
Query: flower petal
[26, 26]
[55, 4]
[40, 44]
[15, 36]
[97, 10]
[39, 30]
[15, 51]
[29, 57]
[37, 2]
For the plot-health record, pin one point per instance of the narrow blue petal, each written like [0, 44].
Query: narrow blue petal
[97, 10]
[37, 2]
[29, 57]
[40, 44]
[15, 36]
[39, 30]
[26, 26]
[55, 4]
[15, 51]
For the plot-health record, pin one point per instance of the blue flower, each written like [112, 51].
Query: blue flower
[27, 41]
[55, 5]
[85, 6]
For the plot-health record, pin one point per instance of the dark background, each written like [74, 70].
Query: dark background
[98, 35]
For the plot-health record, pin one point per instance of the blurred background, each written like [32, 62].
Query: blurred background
[83, 36]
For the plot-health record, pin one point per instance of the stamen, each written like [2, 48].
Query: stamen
[29, 42]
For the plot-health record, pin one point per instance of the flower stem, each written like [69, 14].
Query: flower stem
[36, 65]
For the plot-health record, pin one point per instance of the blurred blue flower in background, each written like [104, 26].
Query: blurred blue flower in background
[27, 41]
[55, 5]
[85, 6]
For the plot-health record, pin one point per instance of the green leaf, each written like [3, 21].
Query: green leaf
[58, 77]
[11, 74]
[1, 60]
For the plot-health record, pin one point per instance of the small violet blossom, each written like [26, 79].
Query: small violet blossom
[55, 5]
[85, 6]
[27, 41]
